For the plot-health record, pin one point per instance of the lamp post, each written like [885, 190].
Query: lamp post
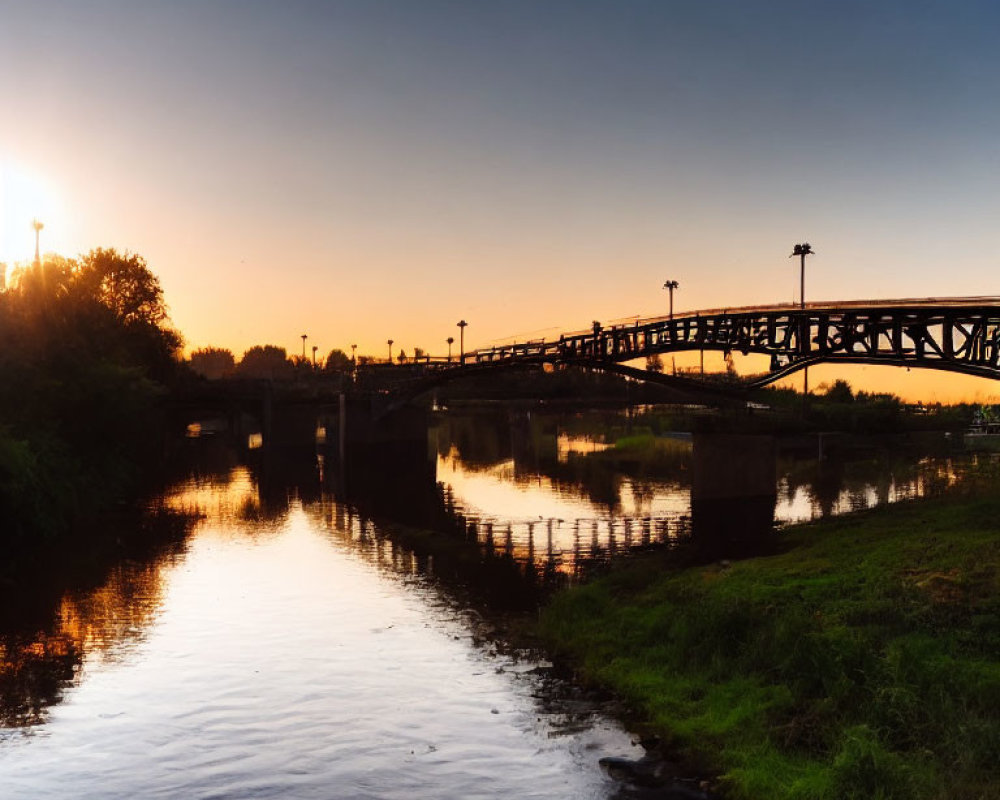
[304, 337]
[315, 348]
[38, 229]
[803, 250]
[354, 349]
[451, 341]
[389, 341]
[461, 340]
[670, 286]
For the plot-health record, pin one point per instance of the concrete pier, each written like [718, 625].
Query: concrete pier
[733, 494]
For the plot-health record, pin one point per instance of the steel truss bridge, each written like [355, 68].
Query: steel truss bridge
[955, 334]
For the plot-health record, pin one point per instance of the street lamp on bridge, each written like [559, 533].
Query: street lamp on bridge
[461, 339]
[670, 286]
[451, 341]
[802, 250]
[304, 337]
[389, 342]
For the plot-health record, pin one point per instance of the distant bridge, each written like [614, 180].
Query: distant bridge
[956, 334]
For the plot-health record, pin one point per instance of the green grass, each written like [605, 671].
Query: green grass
[862, 662]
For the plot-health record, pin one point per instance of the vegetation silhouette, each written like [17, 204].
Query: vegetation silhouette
[338, 361]
[213, 363]
[86, 354]
[266, 361]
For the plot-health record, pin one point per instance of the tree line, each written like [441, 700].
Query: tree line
[273, 362]
[262, 361]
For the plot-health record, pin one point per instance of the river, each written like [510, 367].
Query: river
[297, 639]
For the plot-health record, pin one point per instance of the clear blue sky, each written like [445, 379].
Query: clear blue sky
[366, 170]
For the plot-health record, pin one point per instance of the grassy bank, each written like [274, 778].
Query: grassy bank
[863, 662]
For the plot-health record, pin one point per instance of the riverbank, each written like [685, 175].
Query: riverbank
[861, 662]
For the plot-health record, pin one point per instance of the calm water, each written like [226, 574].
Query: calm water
[297, 641]
[288, 657]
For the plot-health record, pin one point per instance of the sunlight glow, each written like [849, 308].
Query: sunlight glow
[25, 195]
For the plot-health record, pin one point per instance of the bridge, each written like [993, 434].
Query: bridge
[959, 334]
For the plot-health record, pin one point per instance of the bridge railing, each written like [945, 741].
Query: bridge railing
[820, 305]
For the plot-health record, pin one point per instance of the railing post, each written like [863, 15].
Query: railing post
[805, 334]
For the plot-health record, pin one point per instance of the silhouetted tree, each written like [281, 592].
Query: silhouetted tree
[69, 302]
[654, 363]
[265, 361]
[38, 286]
[303, 366]
[123, 283]
[338, 361]
[85, 350]
[213, 362]
[840, 392]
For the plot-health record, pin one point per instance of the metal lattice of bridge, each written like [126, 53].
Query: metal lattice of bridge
[956, 334]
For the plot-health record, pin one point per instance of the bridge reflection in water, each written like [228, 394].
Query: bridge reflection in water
[520, 488]
[497, 500]
[535, 488]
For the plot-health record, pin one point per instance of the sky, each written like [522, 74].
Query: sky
[359, 170]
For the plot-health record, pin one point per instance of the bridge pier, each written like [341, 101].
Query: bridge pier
[364, 421]
[733, 494]
[385, 461]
